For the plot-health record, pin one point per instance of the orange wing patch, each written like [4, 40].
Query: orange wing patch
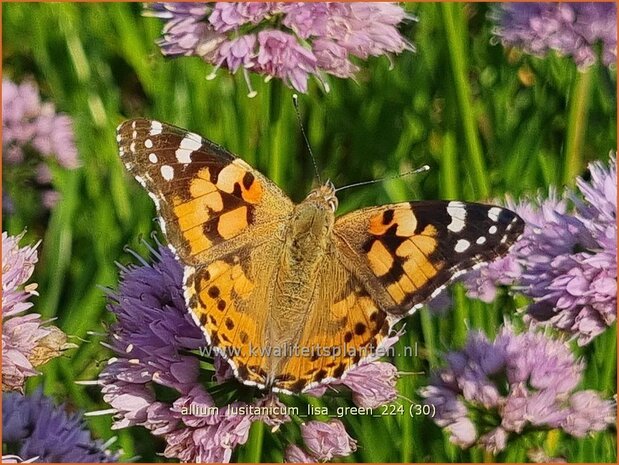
[217, 206]
[337, 339]
[399, 255]
[237, 177]
[204, 194]
[218, 296]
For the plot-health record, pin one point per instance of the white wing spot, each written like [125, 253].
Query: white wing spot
[153, 158]
[480, 240]
[511, 225]
[194, 136]
[148, 144]
[167, 172]
[462, 245]
[188, 145]
[133, 124]
[493, 230]
[140, 179]
[118, 137]
[134, 134]
[457, 212]
[493, 213]
[132, 147]
[155, 128]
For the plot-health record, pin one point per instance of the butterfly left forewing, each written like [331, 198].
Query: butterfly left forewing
[408, 252]
[221, 217]
[207, 198]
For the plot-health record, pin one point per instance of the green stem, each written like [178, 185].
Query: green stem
[609, 367]
[449, 175]
[552, 442]
[576, 126]
[277, 123]
[455, 29]
[405, 388]
[253, 448]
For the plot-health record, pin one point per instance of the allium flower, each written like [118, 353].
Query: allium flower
[372, 384]
[566, 262]
[157, 343]
[26, 341]
[572, 29]
[288, 41]
[32, 131]
[155, 340]
[492, 390]
[327, 440]
[294, 454]
[35, 429]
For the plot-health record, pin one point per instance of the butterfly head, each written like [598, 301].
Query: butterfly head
[324, 196]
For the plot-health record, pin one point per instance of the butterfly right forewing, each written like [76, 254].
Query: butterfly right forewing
[408, 252]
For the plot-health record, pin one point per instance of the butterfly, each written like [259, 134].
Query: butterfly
[291, 295]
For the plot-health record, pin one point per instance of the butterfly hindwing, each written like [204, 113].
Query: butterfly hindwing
[345, 325]
[412, 250]
[205, 196]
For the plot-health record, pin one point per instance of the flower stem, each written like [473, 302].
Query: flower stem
[552, 443]
[276, 132]
[576, 126]
[456, 36]
[253, 448]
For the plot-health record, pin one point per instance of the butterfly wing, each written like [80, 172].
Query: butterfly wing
[387, 262]
[345, 324]
[406, 253]
[220, 217]
[209, 201]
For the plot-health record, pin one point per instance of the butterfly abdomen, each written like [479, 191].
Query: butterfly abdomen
[307, 241]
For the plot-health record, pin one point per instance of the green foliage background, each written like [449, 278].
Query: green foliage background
[489, 121]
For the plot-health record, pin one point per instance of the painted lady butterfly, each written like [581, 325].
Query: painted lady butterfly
[277, 287]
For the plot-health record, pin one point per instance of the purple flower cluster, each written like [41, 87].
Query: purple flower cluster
[572, 29]
[153, 340]
[372, 383]
[35, 430]
[566, 262]
[156, 343]
[491, 390]
[323, 441]
[288, 41]
[26, 341]
[31, 127]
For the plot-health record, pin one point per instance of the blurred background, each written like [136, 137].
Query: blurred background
[489, 120]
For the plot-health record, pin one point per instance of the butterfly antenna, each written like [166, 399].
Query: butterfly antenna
[295, 102]
[373, 181]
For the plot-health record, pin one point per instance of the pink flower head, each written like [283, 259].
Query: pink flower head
[231, 15]
[294, 454]
[372, 384]
[32, 129]
[288, 41]
[517, 381]
[326, 440]
[566, 260]
[280, 55]
[572, 29]
[26, 341]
